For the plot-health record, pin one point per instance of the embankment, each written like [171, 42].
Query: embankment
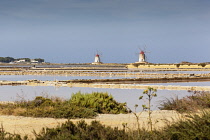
[106, 83]
[106, 73]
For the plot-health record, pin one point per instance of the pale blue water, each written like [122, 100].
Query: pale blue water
[206, 83]
[130, 96]
[12, 93]
[49, 77]
[53, 78]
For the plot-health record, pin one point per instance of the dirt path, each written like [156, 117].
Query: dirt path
[26, 125]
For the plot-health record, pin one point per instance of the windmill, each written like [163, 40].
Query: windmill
[142, 55]
[97, 59]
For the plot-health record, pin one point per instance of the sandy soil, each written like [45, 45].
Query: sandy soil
[26, 125]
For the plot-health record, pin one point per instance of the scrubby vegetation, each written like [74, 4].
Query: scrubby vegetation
[202, 64]
[78, 106]
[192, 126]
[8, 136]
[150, 93]
[82, 131]
[195, 127]
[45, 107]
[101, 103]
[196, 101]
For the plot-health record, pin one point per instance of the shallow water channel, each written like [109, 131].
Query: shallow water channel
[49, 77]
[130, 96]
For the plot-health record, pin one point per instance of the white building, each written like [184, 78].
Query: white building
[97, 59]
[142, 57]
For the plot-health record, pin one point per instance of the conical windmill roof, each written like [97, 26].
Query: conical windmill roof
[142, 52]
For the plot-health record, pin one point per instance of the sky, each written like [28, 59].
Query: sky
[73, 31]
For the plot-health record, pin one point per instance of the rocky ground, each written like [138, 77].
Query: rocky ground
[26, 125]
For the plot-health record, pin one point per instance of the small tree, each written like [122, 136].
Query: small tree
[39, 60]
[177, 65]
[202, 64]
[150, 92]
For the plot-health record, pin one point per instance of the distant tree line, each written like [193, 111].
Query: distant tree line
[6, 59]
[11, 59]
[39, 60]
[26, 59]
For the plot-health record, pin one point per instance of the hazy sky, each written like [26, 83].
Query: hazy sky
[71, 31]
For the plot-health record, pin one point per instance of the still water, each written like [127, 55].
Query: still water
[130, 96]
[206, 83]
[49, 77]
[53, 78]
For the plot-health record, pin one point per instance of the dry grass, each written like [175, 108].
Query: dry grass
[198, 100]
[18, 111]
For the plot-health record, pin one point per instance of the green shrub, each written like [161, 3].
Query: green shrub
[196, 127]
[45, 107]
[82, 131]
[100, 102]
[202, 64]
[8, 136]
[178, 65]
[72, 111]
[79, 106]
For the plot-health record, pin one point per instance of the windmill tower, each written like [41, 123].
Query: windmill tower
[142, 56]
[97, 59]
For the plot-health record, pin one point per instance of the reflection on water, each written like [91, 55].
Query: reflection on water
[130, 96]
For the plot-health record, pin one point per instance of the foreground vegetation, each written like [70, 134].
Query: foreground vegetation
[198, 100]
[78, 106]
[193, 126]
